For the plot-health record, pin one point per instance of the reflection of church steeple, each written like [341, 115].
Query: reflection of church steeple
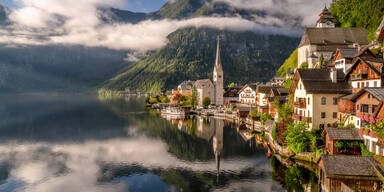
[218, 143]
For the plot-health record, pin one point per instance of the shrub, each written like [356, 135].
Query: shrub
[298, 139]
[274, 131]
[253, 114]
[206, 102]
[265, 117]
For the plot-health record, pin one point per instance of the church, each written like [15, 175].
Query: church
[324, 39]
[214, 90]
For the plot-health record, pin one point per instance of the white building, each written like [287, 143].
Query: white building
[247, 95]
[324, 39]
[204, 89]
[316, 93]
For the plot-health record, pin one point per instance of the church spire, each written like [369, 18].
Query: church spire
[218, 58]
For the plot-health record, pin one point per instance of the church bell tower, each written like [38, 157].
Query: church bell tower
[218, 77]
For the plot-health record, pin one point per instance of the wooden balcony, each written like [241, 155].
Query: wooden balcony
[301, 118]
[300, 104]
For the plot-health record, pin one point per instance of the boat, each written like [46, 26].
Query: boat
[172, 112]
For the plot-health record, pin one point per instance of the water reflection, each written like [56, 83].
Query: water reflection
[79, 143]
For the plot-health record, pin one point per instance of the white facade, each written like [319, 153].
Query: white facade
[341, 64]
[314, 110]
[248, 96]
[366, 83]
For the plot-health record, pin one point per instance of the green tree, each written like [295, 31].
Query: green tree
[206, 102]
[253, 114]
[194, 97]
[322, 62]
[298, 139]
[304, 65]
[164, 99]
[231, 85]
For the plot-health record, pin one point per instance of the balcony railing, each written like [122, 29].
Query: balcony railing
[356, 76]
[300, 104]
[301, 118]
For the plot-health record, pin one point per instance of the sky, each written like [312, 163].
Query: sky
[131, 5]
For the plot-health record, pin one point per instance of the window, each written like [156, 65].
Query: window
[323, 115]
[364, 108]
[334, 115]
[309, 101]
[357, 107]
[335, 101]
[367, 84]
[375, 84]
[369, 95]
[309, 113]
[323, 101]
[358, 84]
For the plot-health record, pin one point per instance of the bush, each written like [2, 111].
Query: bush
[364, 150]
[304, 65]
[298, 139]
[265, 117]
[164, 99]
[253, 114]
[233, 107]
[206, 102]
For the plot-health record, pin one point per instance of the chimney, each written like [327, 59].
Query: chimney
[333, 74]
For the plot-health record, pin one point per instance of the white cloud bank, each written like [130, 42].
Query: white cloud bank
[40, 22]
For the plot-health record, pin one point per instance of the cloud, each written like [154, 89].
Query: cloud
[42, 22]
[39, 166]
[308, 11]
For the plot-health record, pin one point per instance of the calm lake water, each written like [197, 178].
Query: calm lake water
[78, 143]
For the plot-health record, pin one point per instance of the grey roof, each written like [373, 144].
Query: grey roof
[325, 16]
[346, 134]
[334, 36]
[264, 89]
[201, 82]
[319, 81]
[347, 97]
[377, 92]
[341, 166]
[348, 53]
[186, 85]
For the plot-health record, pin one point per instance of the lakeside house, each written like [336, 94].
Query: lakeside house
[231, 94]
[349, 173]
[324, 39]
[280, 95]
[345, 135]
[316, 93]
[262, 95]
[247, 94]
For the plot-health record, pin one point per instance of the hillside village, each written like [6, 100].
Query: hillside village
[328, 110]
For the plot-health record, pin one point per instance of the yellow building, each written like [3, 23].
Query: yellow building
[316, 93]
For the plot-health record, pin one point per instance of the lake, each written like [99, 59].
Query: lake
[79, 143]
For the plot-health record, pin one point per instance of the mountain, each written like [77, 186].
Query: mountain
[190, 53]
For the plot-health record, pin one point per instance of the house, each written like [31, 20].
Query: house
[347, 111]
[325, 38]
[204, 89]
[247, 94]
[277, 81]
[279, 94]
[343, 58]
[345, 135]
[367, 100]
[365, 72]
[316, 93]
[185, 88]
[262, 95]
[231, 94]
[348, 173]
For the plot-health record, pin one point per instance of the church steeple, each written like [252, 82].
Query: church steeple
[326, 19]
[218, 57]
[218, 77]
